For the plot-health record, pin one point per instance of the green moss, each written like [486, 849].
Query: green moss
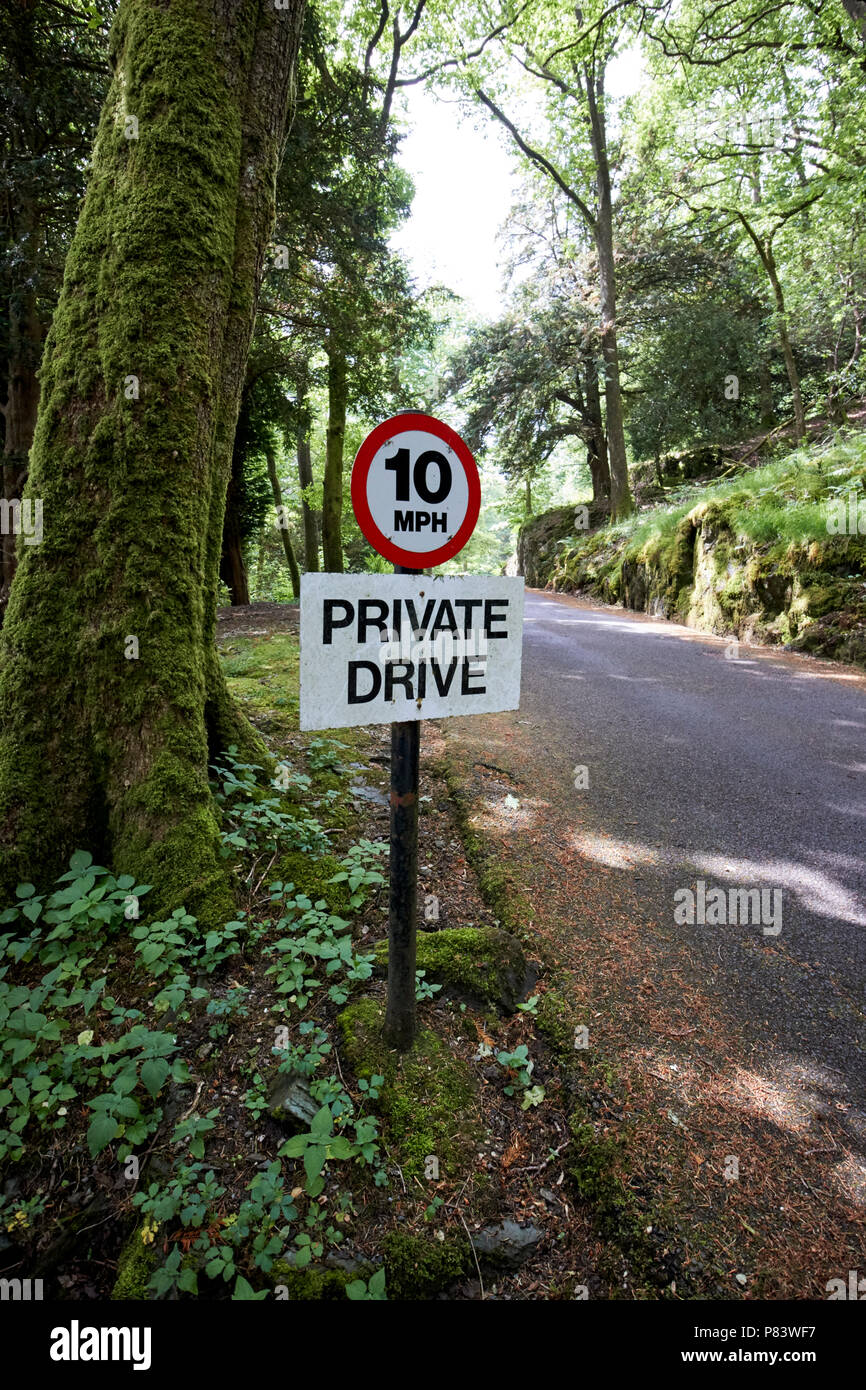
[429, 1100]
[592, 1164]
[497, 884]
[484, 962]
[135, 1265]
[311, 876]
[313, 1284]
[558, 1022]
[754, 555]
[417, 1267]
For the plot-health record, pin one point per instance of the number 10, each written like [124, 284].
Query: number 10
[400, 465]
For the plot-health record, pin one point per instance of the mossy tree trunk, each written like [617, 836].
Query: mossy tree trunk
[111, 696]
[282, 522]
[332, 500]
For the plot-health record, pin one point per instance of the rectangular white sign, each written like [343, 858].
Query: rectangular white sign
[382, 647]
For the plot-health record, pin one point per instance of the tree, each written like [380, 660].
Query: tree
[112, 701]
[53, 76]
[336, 282]
[282, 522]
[567, 52]
[773, 138]
[531, 380]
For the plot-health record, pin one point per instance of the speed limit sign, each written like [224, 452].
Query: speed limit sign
[415, 490]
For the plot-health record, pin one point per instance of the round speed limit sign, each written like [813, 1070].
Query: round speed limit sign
[415, 491]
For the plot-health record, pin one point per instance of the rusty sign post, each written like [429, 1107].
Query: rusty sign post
[403, 892]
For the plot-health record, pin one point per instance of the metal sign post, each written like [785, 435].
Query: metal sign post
[403, 894]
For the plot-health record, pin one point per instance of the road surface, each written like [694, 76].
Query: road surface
[702, 769]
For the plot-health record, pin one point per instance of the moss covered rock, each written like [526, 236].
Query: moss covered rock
[311, 1285]
[313, 876]
[429, 1100]
[136, 1263]
[482, 961]
[417, 1267]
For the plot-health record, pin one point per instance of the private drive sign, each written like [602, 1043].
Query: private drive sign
[382, 648]
[415, 491]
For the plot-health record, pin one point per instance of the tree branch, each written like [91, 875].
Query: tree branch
[539, 159]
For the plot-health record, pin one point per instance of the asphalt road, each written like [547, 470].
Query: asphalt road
[740, 773]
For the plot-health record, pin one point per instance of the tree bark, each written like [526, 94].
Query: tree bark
[282, 523]
[765, 395]
[233, 571]
[311, 529]
[20, 409]
[764, 248]
[112, 702]
[596, 448]
[332, 501]
[787, 352]
[621, 503]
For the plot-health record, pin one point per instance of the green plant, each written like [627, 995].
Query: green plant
[245, 1291]
[533, 1095]
[531, 1006]
[373, 1292]
[423, 988]
[317, 1147]
[519, 1066]
[323, 754]
[255, 820]
[357, 872]
[192, 1129]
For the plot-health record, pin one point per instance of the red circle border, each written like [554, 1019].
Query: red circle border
[410, 559]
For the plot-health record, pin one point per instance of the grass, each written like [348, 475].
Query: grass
[757, 555]
[781, 502]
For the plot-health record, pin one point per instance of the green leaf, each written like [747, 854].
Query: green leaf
[102, 1129]
[294, 1147]
[80, 861]
[340, 1148]
[244, 1290]
[314, 1160]
[322, 1123]
[25, 890]
[127, 1107]
[154, 1074]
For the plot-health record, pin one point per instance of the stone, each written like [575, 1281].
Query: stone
[289, 1100]
[508, 1244]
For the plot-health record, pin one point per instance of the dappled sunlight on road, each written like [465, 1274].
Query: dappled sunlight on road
[615, 854]
[816, 891]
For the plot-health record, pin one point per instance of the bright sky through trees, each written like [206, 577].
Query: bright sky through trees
[466, 180]
[464, 186]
